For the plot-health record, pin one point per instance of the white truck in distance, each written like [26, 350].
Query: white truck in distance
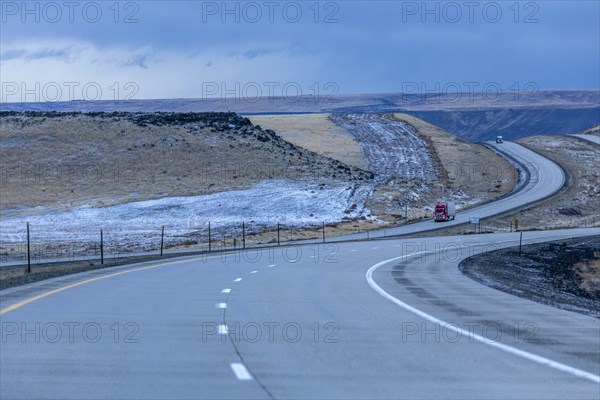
[444, 211]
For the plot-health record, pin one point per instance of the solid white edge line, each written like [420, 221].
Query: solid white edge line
[481, 339]
[241, 372]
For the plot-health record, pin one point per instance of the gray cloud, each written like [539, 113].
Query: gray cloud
[138, 60]
[12, 54]
[66, 54]
[254, 53]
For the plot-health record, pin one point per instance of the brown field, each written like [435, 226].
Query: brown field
[314, 132]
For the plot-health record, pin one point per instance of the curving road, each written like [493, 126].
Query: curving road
[380, 319]
[344, 324]
[545, 178]
[589, 138]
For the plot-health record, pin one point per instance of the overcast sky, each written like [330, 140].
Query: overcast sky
[192, 49]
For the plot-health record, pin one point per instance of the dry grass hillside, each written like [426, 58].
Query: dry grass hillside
[314, 132]
[471, 168]
[470, 173]
[65, 160]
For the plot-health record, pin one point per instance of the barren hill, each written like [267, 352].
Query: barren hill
[100, 159]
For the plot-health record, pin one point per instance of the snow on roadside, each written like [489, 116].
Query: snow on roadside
[293, 204]
[390, 148]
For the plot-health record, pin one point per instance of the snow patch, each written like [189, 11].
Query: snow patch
[293, 204]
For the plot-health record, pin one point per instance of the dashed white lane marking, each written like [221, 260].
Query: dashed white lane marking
[223, 329]
[375, 248]
[226, 291]
[352, 251]
[221, 305]
[512, 350]
[397, 245]
[241, 372]
[237, 280]
[253, 272]
[271, 266]
[312, 256]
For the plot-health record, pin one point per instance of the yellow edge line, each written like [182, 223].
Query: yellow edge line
[51, 292]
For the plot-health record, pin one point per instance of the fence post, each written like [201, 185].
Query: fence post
[162, 240]
[278, 242]
[101, 247]
[520, 242]
[243, 235]
[209, 246]
[323, 232]
[28, 251]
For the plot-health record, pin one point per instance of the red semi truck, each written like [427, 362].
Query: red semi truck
[444, 211]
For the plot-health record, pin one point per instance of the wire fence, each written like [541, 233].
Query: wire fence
[91, 242]
[36, 246]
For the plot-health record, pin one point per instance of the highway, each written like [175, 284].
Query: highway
[297, 327]
[589, 138]
[545, 178]
[378, 319]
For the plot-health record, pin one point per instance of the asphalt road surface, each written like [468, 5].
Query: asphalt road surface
[589, 138]
[381, 319]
